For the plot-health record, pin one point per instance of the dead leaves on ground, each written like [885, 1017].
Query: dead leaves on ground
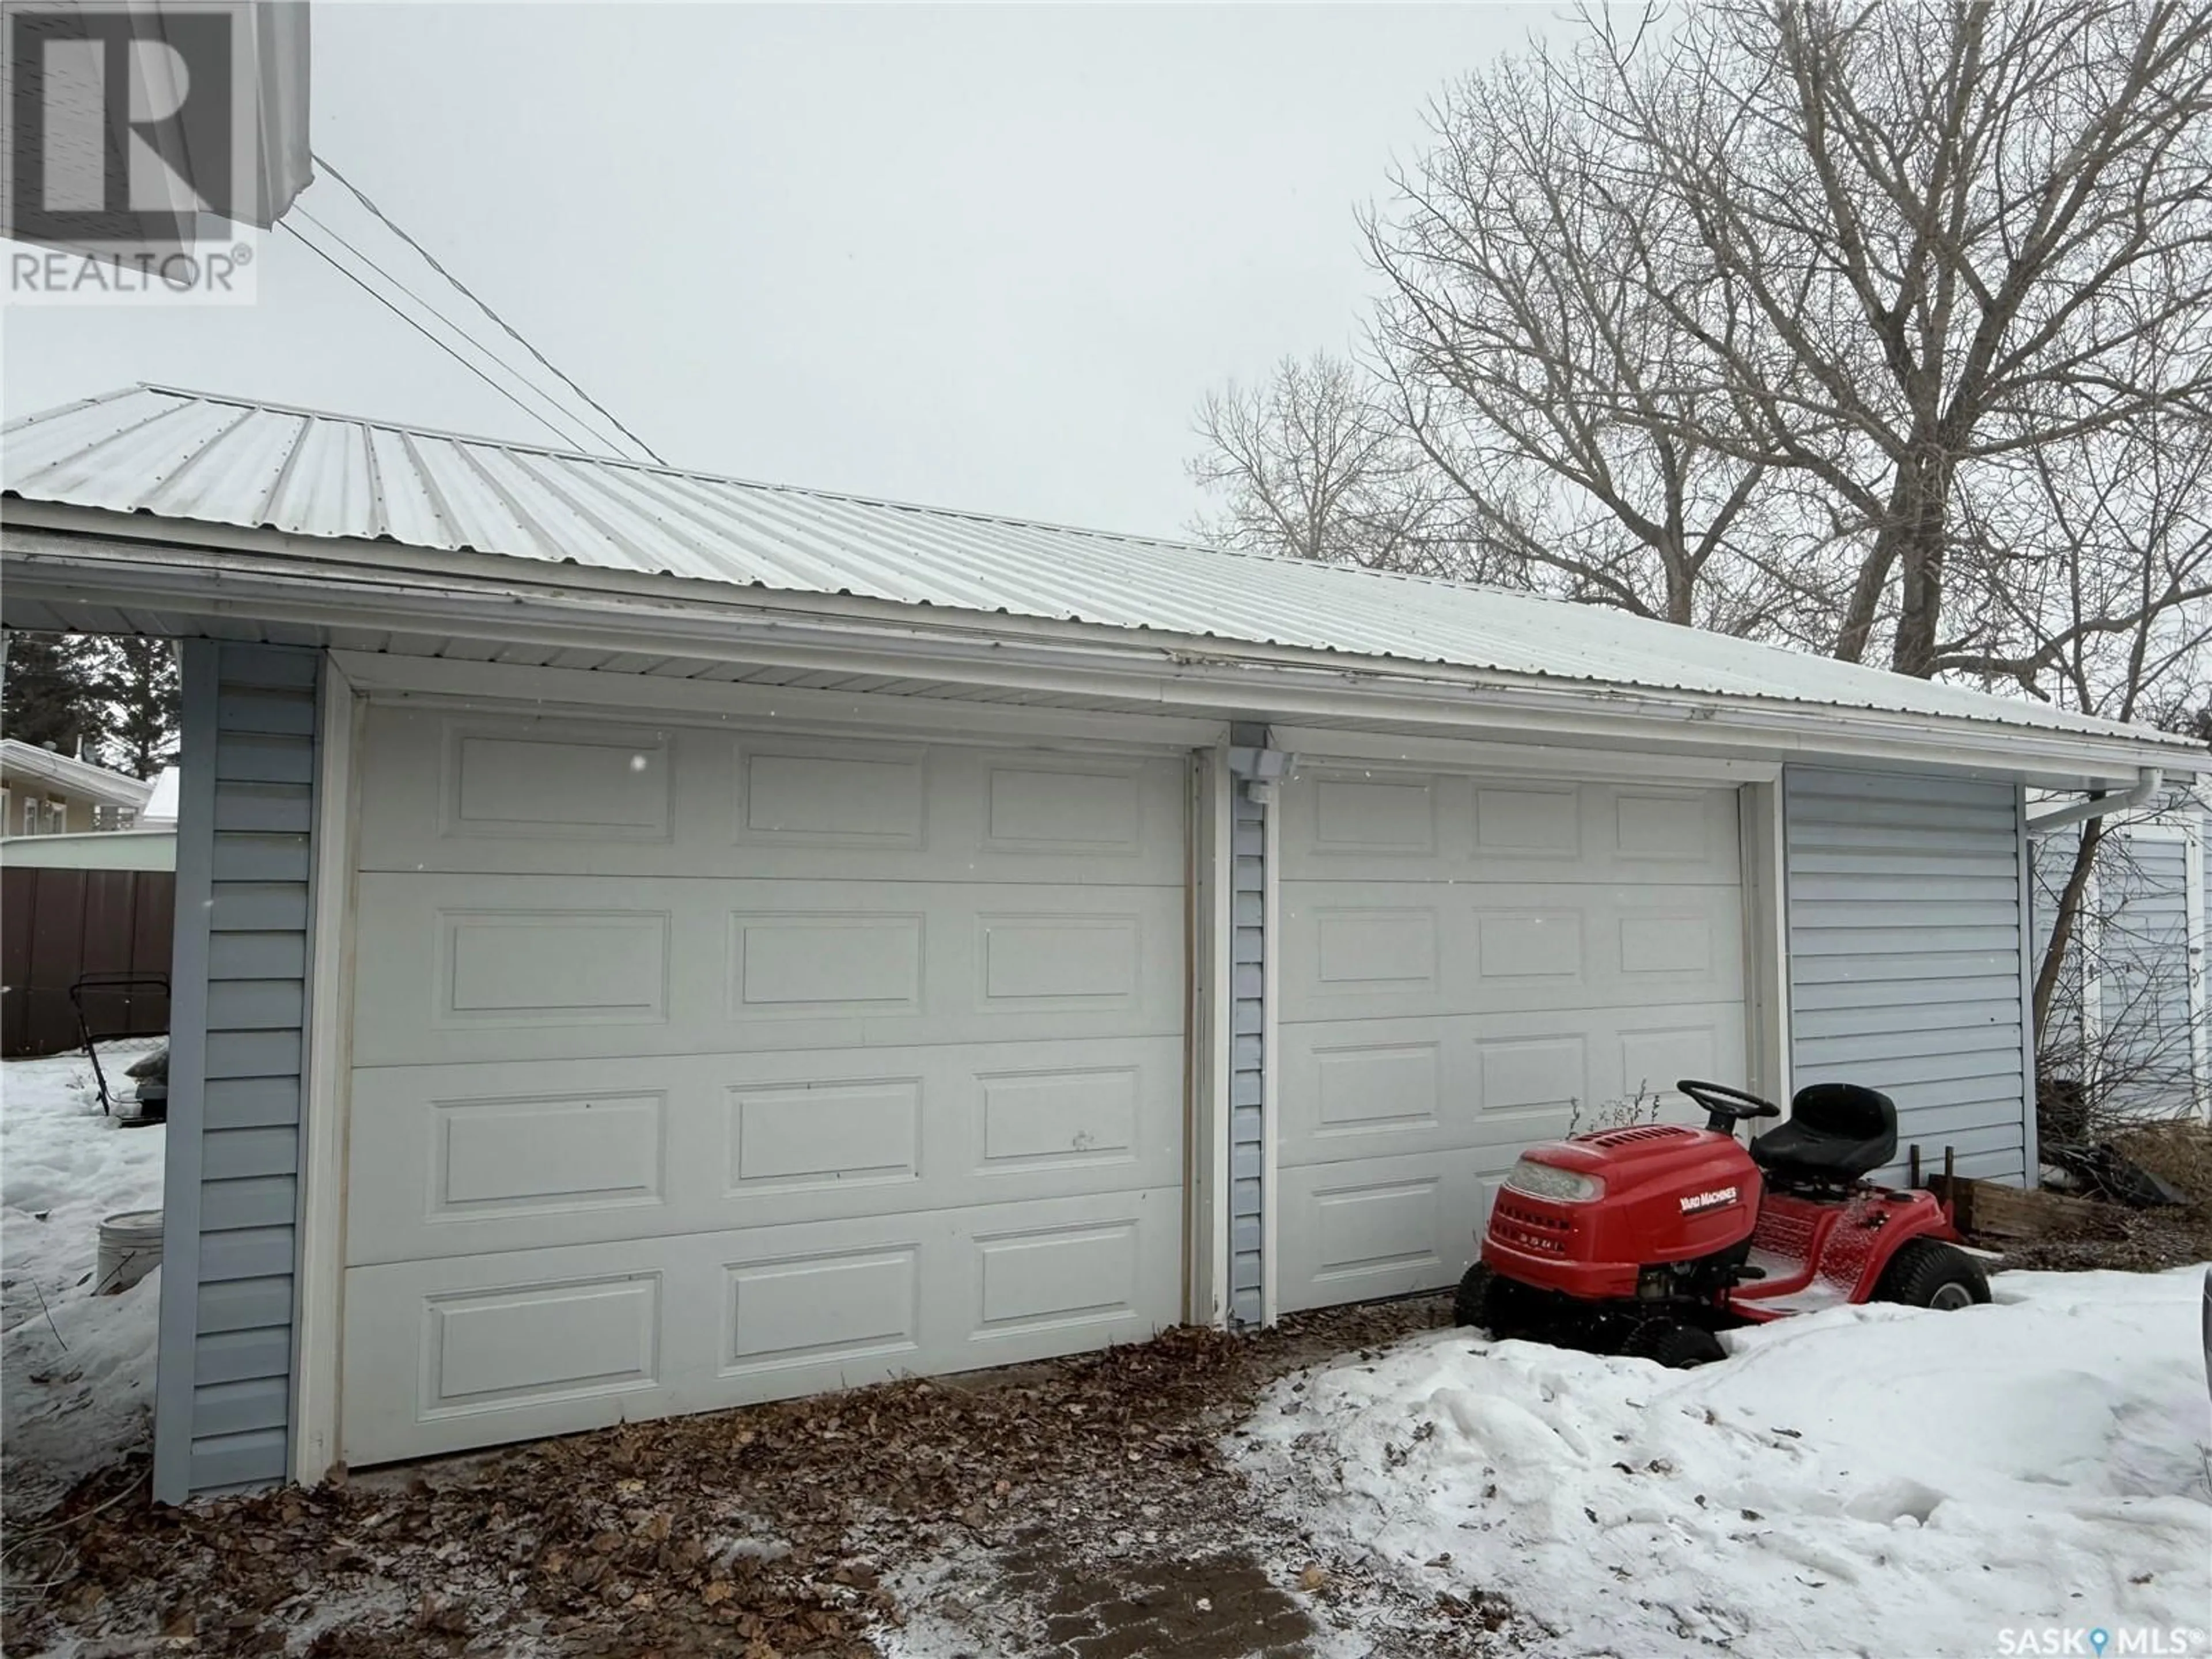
[678, 1538]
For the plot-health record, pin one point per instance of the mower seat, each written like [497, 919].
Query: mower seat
[1835, 1131]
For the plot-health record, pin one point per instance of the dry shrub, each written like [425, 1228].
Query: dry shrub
[2177, 1152]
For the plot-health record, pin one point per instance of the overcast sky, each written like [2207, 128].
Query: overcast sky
[989, 258]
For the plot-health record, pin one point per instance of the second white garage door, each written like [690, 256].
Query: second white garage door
[1467, 963]
[693, 1068]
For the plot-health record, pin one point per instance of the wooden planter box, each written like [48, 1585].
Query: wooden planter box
[1988, 1210]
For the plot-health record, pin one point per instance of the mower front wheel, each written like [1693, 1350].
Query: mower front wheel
[1926, 1273]
[1496, 1305]
[1467, 1300]
[1675, 1343]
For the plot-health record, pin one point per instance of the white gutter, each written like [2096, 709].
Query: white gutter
[66, 772]
[621, 611]
[2145, 789]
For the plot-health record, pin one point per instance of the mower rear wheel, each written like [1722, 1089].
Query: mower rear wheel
[1926, 1273]
[1675, 1343]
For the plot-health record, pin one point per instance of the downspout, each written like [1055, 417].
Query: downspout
[2147, 784]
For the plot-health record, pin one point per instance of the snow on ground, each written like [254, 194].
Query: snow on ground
[1862, 1480]
[76, 1369]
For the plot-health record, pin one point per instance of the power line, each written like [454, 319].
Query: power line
[566, 436]
[595, 440]
[483, 305]
[567, 439]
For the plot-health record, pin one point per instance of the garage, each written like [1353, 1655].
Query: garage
[1469, 962]
[691, 1067]
[648, 942]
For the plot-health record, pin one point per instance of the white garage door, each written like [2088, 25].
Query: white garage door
[1465, 962]
[694, 1069]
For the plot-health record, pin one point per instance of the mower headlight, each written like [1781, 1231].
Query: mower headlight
[1549, 1181]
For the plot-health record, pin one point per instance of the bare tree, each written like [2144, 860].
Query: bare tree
[1944, 234]
[1735, 317]
[1565, 403]
[2191, 717]
[2090, 574]
[2091, 568]
[1311, 464]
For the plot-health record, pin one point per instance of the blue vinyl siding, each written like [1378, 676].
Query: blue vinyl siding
[222, 1408]
[1248, 946]
[1907, 956]
[2145, 993]
[2143, 1058]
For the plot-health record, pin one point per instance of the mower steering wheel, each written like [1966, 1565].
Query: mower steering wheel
[1725, 1107]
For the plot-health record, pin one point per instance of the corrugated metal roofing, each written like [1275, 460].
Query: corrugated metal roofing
[221, 461]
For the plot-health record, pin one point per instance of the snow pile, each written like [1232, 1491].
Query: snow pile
[76, 1370]
[1875, 1479]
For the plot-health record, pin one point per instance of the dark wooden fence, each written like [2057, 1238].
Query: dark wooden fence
[58, 923]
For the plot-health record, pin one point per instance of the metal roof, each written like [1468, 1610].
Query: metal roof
[213, 459]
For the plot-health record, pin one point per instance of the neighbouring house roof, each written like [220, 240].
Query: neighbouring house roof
[162, 805]
[224, 461]
[77, 777]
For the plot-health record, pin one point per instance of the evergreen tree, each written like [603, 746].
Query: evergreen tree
[48, 692]
[137, 683]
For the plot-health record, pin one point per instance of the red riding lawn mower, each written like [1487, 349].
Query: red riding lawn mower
[1646, 1240]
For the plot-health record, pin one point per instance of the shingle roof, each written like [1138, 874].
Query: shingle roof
[220, 460]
